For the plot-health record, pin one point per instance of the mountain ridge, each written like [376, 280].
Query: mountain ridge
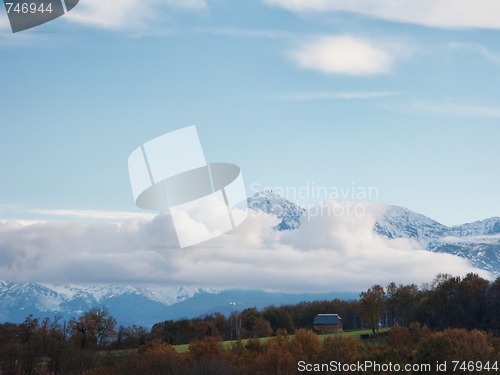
[478, 242]
[18, 300]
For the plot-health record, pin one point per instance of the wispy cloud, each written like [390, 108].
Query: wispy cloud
[343, 55]
[126, 14]
[450, 108]
[244, 33]
[109, 14]
[23, 215]
[325, 95]
[187, 4]
[434, 13]
[92, 214]
[483, 239]
[479, 49]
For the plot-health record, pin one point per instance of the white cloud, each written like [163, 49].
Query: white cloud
[40, 215]
[434, 13]
[111, 15]
[452, 108]
[479, 49]
[324, 95]
[328, 252]
[92, 214]
[343, 55]
[4, 22]
[483, 239]
[126, 14]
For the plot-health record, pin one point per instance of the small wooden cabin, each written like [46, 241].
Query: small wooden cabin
[327, 323]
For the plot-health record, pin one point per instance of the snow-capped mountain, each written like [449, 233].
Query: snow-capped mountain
[131, 305]
[479, 242]
[135, 305]
[399, 222]
[488, 227]
[271, 203]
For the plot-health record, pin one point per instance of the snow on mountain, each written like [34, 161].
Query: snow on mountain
[478, 242]
[489, 226]
[135, 305]
[131, 305]
[399, 222]
[172, 295]
[271, 203]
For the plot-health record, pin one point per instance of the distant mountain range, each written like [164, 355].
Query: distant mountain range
[136, 305]
[479, 242]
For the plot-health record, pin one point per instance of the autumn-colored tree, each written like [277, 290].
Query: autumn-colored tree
[455, 345]
[405, 340]
[204, 328]
[208, 346]
[342, 348]
[373, 306]
[207, 356]
[262, 328]
[276, 357]
[155, 358]
[93, 328]
[305, 346]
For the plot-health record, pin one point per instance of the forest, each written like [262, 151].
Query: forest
[449, 319]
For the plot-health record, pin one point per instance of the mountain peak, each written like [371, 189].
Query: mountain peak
[477, 242]
[271, 203]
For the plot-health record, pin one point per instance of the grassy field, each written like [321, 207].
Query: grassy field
[227, 344]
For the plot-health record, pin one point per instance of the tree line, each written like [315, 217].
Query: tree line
[423, 320]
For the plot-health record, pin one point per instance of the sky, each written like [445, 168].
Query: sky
[397, 98]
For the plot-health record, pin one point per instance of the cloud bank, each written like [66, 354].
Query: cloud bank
[327, 253]
[434, 13]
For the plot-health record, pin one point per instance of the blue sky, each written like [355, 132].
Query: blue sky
[404, 97]
[399, 96]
